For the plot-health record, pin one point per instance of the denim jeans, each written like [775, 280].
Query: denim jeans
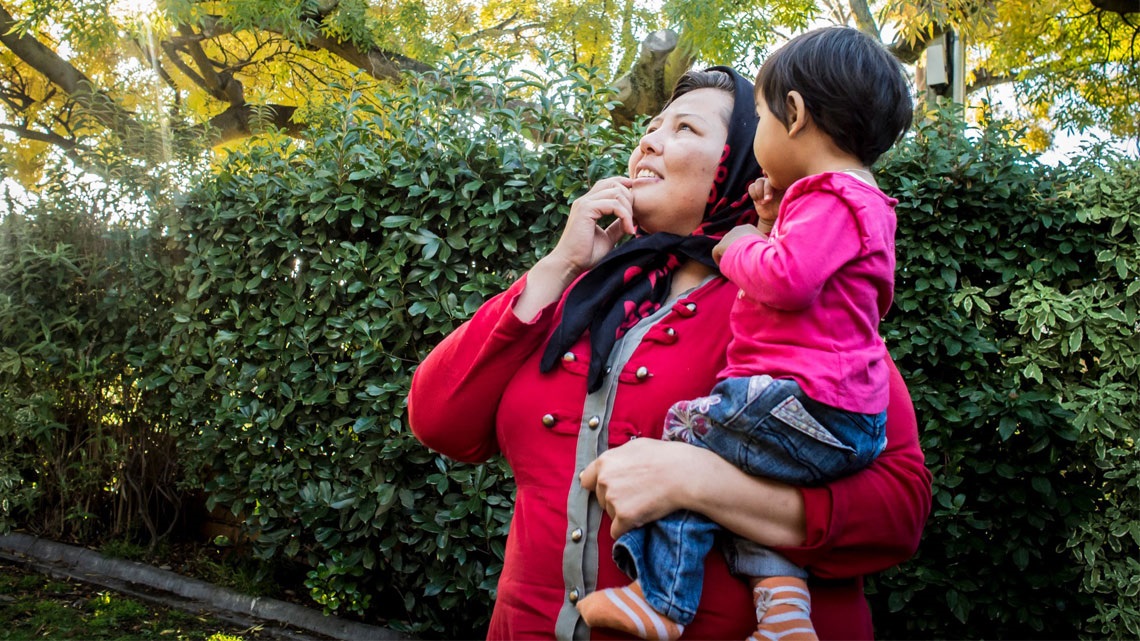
[766, 427]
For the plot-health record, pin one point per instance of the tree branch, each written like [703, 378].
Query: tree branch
[1122, 7]
[241, 121]
[910, 52]
[864, 21]
[213, 83]
[376, 62]
[497, 29]
[983, 78]
[645, 88]
[151, 54]
[69, 147]
[172, 52]
[79, 88]
[49, 137]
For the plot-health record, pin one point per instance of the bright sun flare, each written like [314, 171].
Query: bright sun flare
[131, 8]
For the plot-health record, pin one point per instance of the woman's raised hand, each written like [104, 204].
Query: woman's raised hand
[582, 245]
[584, 242]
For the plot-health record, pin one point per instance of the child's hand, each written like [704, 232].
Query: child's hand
[767, 201]
[734, 234]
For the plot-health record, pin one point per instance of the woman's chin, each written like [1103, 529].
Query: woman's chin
[648, 226]
[643, 226]
[651, 219]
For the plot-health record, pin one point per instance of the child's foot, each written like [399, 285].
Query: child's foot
[625, 609]
[783, 610]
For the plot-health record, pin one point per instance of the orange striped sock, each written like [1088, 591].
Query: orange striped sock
[783, 610]
[626, 610]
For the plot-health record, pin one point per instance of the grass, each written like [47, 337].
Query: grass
[36, 606]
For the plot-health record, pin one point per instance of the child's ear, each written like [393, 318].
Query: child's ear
[797, 114]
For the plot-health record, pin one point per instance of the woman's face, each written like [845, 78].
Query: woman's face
[674, 164]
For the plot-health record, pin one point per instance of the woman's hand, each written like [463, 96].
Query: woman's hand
[582, 245]
[584, 242]
[647, 479]
[639, 481]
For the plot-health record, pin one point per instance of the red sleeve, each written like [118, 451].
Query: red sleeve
[873, 519]
[455, 391]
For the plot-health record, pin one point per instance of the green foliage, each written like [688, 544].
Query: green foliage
[1015, 326]
[123, 549]
[166, 74]
[317, 276]
[1076, 64]
[16, 494]
[110, 611]
[86, 453]
[1098, 341]
[242, 574]
[713, 30]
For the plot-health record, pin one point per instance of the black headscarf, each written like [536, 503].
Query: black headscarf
[633, 280]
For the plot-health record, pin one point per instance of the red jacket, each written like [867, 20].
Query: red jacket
[480, 392]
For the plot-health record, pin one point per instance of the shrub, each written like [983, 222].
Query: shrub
[1015, 325]
[84, 452]
[317, 276]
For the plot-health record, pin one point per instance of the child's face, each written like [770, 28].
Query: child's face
[771, 145]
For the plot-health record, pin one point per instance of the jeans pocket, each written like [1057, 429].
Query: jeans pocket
[792, 412]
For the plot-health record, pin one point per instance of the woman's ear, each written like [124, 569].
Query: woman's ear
[797, 114]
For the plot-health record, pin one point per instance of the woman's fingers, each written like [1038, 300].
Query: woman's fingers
[616, 199]
[589, 476]
[608, 197]
[617, 229]
[584, 242]
[630, 482]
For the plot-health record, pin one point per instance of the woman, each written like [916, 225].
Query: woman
[589, 349]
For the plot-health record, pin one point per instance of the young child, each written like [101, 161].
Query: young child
[803, 398]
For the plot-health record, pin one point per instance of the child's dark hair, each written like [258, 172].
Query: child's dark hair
[851, 85]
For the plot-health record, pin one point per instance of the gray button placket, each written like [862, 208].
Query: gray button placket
[584, 515]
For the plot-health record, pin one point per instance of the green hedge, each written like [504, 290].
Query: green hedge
[1015, 323]
[319, 274]
[85, 451]
[310, 277]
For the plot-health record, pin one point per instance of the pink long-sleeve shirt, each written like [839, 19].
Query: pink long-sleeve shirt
[812, 293]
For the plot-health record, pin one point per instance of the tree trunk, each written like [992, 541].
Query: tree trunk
[648, 85]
